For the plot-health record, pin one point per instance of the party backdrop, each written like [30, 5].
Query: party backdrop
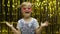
[43, 10]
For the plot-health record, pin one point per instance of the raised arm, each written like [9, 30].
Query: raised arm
[13, 29]
[38, 30]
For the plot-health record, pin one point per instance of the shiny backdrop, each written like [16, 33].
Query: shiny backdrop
[42, 10]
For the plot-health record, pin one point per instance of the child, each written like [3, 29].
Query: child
[28, 24]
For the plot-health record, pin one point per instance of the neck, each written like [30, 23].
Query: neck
[27, 17]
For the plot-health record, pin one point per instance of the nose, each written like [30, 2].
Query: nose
[26, 8]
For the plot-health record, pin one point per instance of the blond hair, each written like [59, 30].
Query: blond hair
[25, 4]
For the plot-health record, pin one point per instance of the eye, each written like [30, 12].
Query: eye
[24, 8]
[29, 8]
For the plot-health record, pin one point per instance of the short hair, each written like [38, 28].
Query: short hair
[24, 4]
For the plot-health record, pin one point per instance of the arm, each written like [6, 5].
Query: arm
[38, 30]
[13, 29]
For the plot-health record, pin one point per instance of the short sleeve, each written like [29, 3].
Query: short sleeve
[36, 25]
[18, 25]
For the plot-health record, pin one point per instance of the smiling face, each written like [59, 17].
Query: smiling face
[26, 10]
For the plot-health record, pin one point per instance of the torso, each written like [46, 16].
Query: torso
[27, 28]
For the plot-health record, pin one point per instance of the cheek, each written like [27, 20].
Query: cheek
[30, 10]
[23, 10]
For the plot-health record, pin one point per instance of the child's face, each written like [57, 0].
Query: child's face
[26, 10]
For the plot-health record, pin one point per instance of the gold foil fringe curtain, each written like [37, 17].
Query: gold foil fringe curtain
[42, 10]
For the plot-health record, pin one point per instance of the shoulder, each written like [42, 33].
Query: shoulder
[20, 20]
[34, 19]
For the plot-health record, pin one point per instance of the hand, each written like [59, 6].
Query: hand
[9, 24]
[44, 24]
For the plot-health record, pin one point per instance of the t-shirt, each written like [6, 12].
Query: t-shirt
[27, 28]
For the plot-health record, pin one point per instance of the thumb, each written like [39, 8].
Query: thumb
[41, 23]
[8, 24]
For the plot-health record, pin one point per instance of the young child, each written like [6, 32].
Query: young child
[27, 24]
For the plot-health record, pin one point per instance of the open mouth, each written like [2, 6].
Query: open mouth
[27, 12]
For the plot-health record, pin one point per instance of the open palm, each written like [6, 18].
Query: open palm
[9, 24]
[44, 24]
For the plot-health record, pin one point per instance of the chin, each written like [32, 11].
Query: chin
[27, 16]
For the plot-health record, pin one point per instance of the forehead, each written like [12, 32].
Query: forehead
[26, 4]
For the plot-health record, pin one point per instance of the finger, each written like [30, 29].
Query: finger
[6, 22]
[41, 23]
[46, 23]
